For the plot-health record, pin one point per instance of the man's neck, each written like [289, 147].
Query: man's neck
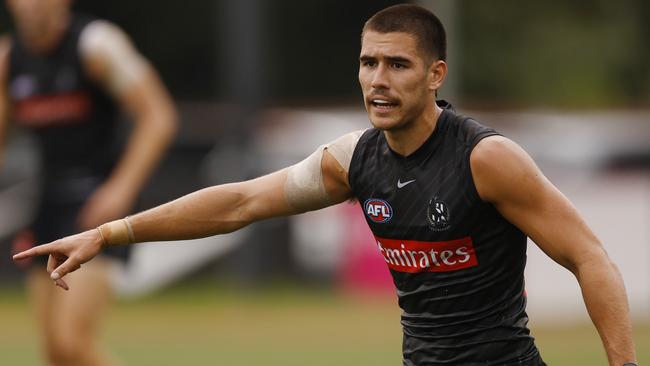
[49, 36]
[407, 140]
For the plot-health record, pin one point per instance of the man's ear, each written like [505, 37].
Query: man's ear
[437, 74]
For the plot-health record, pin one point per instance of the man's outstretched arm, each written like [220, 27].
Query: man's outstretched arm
[229, 207]
[508, 178]
[314, 183]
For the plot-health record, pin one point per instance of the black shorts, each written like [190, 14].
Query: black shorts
[57, 218]
[536, 361]
[519, 354]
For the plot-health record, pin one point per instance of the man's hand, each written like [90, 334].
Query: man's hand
[108, 202]
[67, 254]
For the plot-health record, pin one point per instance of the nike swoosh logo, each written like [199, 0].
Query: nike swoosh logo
[402, 185]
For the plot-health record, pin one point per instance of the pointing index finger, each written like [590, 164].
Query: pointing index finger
[35, 251]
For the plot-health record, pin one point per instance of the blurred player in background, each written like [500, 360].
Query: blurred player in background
[66, 77]
[449, 201]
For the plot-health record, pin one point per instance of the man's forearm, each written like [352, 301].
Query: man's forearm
[210, 211]
[604, 294]
[214, 210]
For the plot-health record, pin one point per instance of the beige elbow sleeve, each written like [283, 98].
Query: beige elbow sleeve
[304, 188]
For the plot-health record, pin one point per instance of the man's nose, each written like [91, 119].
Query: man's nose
[380, 78]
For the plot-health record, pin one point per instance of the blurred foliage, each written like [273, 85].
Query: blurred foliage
[576, 54]
[316, 47]
[179, 37]
[589, 53]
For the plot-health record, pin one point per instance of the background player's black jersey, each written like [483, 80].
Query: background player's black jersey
[458, 265]
[75, 124]
[72, 118]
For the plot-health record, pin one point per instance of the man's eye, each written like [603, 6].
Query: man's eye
[398, 66]
[369, 63]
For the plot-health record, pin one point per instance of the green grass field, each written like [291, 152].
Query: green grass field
[209, 325]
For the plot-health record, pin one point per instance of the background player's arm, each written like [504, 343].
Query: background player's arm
[4, 98]
[507, 177]
[110, 59]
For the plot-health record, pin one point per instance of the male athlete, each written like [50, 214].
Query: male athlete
[450, 203]
[66, 77]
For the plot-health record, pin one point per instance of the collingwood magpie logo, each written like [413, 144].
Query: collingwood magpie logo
[438, 215]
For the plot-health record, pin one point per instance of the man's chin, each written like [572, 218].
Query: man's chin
[384, 123]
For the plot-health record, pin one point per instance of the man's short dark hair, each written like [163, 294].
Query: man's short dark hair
[412, 19]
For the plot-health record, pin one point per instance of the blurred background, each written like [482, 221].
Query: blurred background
[261, 84]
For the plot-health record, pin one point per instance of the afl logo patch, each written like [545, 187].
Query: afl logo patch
[438, 215]
[378, 210]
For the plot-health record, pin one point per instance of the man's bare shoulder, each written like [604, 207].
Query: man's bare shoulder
[490, 151]
[500, 166]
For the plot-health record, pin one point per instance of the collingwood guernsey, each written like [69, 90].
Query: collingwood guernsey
[457, 264]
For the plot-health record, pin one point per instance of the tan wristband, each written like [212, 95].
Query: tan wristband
[118, 232]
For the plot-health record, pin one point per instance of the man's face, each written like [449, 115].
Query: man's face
[394, 78]
[32, 17]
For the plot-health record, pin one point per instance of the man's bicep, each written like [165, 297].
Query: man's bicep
[337, 158]
[316, 182]
[509, 179]
[335, 178]
[321, 180]
[312, 183]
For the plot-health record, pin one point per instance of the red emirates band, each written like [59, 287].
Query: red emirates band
[56, 109]
[427, 256]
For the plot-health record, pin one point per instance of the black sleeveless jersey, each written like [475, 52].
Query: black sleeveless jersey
[73, 120]
[458, 265]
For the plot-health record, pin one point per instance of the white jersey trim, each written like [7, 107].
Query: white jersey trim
[104, 39]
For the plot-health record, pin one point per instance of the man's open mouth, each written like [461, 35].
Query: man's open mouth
[383, 104]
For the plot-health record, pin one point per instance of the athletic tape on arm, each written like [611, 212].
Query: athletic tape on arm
[118, 232]
[104, 39]
[304, 188]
